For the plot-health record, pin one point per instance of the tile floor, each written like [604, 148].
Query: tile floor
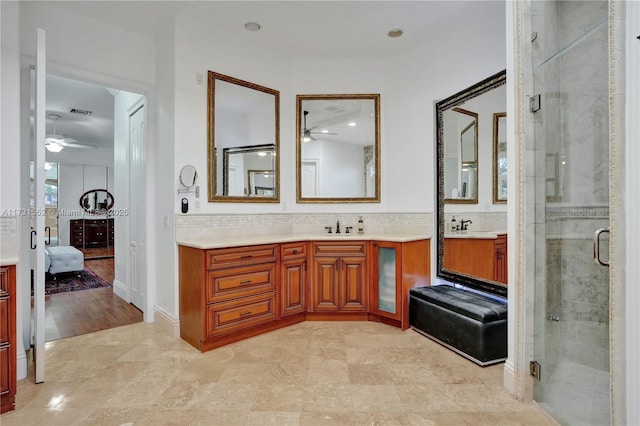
[312, 373]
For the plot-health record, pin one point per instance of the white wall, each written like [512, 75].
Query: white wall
[408, 84]
[9, 111]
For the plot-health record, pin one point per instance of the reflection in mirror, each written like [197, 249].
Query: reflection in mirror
[237, 183]
[188, 176]
[244, 126]
[338, 148]
[500, 157]
[460, 136]
[472, 243]
[97, 201]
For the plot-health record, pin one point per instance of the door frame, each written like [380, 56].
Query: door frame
[145, 91]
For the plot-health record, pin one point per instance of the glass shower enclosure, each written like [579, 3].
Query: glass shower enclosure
[570, 111]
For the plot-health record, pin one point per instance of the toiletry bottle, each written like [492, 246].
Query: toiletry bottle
[360, 225]
[454, 224]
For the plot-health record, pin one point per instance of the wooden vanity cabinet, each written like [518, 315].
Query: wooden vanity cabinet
[229, 294]
[395, 268]
[484, 258]
[293, 276]
[226, 294]
[8, 381]
[338, 276]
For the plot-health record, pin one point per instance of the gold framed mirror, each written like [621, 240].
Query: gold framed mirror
[243, 124]
[500, 157]
[338, 148]
[460, 138]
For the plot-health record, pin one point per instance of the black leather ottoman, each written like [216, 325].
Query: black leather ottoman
[471, 324]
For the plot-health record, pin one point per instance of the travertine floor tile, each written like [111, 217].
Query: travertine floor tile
[312, 373]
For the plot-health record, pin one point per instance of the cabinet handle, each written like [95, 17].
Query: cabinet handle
[244, 314]
[499, 254]
[246, 256]
[245, 282]
[295, 251]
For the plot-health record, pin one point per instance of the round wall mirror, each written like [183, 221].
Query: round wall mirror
[188, 176]
[97, 201]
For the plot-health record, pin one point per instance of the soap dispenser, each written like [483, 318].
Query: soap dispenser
[360, 225]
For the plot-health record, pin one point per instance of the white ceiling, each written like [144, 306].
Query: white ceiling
[63, 95]
[294, 29]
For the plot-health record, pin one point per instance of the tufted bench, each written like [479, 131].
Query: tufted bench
[64, 259]
[471, 324]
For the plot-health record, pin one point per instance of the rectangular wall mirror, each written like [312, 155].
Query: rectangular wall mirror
[338, 148]
[472, 232]
[460, 138]
[244, 126]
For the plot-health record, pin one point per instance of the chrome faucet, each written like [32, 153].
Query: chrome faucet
[337, 227]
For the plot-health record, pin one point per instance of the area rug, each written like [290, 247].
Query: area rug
[73, 281]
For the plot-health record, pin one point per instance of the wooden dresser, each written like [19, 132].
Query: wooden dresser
[85, 233]
[8, 381]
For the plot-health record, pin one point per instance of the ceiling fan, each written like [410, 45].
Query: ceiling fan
[307, 133]
[55, 142]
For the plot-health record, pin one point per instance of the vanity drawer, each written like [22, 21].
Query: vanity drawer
[237, 314]
[339, 248]
[293, 250]
[238, 282]
[4, 321]
[225, 258]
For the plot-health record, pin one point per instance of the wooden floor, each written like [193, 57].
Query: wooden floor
[86, 311]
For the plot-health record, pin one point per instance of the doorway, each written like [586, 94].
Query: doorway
[571, 133]
[88, 192]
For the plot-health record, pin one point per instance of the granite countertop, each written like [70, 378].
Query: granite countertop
[484, 235]
[211, 242]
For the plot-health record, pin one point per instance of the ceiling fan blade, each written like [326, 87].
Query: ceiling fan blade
[76, 145]
[323, 133]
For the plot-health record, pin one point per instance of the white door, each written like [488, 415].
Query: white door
[136, 213]
[309, 179]
[37, 233]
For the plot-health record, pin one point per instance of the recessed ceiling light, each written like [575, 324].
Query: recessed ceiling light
[352, 124]
[324, 131]
[396, 32]
[252, 26]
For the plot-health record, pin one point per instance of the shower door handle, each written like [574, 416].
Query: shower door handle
[596, 246]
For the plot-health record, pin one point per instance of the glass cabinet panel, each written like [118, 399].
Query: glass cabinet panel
[387, 279]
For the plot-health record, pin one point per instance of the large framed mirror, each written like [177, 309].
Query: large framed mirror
[244, 127]
[472, 228]
[338, 148]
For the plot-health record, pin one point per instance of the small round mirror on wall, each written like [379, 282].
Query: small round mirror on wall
[188, 176]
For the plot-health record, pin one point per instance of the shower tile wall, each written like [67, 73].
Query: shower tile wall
[577, 290]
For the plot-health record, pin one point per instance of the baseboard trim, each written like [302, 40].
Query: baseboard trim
[166, 322]
[509, 379]
[121, 290]
[21, 365]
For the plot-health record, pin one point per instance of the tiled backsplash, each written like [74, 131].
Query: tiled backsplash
[9, 236]
[302, 223]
